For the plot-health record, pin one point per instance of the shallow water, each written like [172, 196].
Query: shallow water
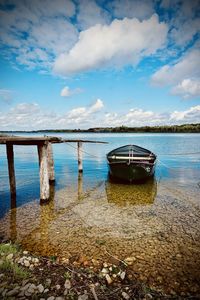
[156, 223]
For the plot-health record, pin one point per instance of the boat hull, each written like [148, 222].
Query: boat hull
[131, 171]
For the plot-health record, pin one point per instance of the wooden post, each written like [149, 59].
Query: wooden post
[50, 163]
[11, 169]
[80, 185]
[44, 176]
[80, 156]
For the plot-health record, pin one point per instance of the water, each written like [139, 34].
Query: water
[157, 223]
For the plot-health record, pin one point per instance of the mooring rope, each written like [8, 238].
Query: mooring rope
[82, 150]
[130, 154]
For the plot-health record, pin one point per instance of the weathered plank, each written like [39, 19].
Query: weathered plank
[20, 140]
[44, 175]
[80, 157]
[50, 163]
[11, 168]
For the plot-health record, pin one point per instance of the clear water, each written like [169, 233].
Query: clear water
[157, 222]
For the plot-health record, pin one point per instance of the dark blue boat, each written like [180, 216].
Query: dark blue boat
[131, 163]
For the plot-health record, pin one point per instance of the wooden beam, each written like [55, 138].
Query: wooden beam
[50, 163]
[11, 169]
[80, 156]
[44, 175]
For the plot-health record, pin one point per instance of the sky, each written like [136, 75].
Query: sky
[70, 64]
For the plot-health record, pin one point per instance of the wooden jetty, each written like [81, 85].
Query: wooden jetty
[45, 155]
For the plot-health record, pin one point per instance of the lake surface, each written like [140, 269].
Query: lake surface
[156, 223]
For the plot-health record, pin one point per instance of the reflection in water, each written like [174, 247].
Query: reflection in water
[13, 216]
[149, 222]
[131, 194]
[80, 185]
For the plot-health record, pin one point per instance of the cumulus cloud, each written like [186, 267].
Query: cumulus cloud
[30, 113]
[183, 20]
[36, 32]
[6, 96]
[90, 116]
[81, 114]
[90, 14]
[67, 92]
[191, 115]
[132, 9]
[187, 89]
[183, 76]
[122, 42]
[186, 67]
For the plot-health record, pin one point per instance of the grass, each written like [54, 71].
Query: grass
[11, 269]
[8, 266]
[6, 249]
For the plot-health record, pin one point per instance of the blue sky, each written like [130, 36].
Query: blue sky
[86, 63]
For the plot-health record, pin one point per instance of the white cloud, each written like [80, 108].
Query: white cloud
[6, 96]
[67, 92]
[192, 115]
[183, 21]
[83, 114]
[184, 33]
[187, 89]
[90, 116]
[186, 67]
[35, 32]
[183, 76]
[130, 9]
[135, 117]
[30, 113]
[90, 14]
[122, 42]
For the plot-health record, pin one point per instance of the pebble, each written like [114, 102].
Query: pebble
[25, 287]
[9, 256]
[108, 279]
[58, 286]
[105, 265]
[51, 298]
[67, 284]
[125, 295]
[104, 271]
[83, 297]
[21, 294]
[40, 288]
[122, 275]
[59, 298]
[48, 281]
[25, 252]
[149, 297]
[26, 263]
[65, 292]
[28, 294]
[4, 292]
[32, 288]
[13, 292]
[129, 260]
[46, 290]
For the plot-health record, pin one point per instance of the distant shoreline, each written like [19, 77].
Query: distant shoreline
[184, 128]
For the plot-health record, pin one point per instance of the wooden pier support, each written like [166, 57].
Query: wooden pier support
[80, 157]
[11, 169]
[50, 163]
[44, 175]
[45, 154]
